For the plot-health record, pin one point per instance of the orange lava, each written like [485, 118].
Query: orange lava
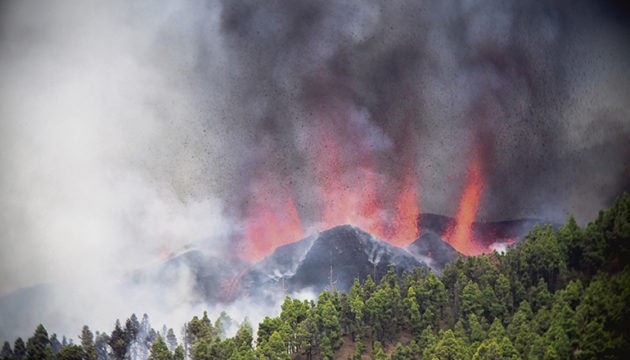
[405, 223]
[347, 197]
[353, 196]
[272, 221]
[351, 188]
[460, 236]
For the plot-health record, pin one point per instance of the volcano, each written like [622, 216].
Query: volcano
[331, 259]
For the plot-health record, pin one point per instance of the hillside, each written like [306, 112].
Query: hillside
[334, 257]
[559, 294]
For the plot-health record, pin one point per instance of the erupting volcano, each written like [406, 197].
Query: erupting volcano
[349, 185]
[352, 189]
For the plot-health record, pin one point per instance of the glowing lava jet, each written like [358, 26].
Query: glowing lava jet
[351, 189]
[405, 224]
[460, 236]
[348, 197]
[272, 220]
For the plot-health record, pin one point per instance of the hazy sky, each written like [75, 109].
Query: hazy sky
[130, 129]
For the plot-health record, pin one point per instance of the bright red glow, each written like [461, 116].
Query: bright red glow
[353, 197]
[349, 186]
[272, 221]
[460, 236]
[347, 197]
[405, 223]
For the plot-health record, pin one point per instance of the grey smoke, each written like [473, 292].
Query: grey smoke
[129, 130]
[538, 88]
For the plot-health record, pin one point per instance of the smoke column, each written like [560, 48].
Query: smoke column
[361, 104]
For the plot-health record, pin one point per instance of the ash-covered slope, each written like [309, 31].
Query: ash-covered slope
[433, 250]
[347, 251]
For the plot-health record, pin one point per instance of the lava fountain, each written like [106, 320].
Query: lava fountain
[348, 196]
[351, 189]
[460, 236]
[272, 219]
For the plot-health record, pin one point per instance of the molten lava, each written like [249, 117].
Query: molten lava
[352, 190]
[348, 197]
[272, 221]
[460, 236]
[405, 224]
[353, 193]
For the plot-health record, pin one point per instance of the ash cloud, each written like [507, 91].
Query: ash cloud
[130, 130]
[523, 84]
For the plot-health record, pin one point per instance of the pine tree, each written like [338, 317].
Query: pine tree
[38, 347]
[359, 349]
[266, 328]
[488, 350]
[497, 331]
[571, 238]
[368, 288]
[305, 335]
[450, 348]
[357, 309]
[201, 351]
[330, 324]
[275, 349]
[413, 312]
[136, 345]
[503, 292]
[19, 349]
[243, 337]
[377, 352]
[523, 339]
[179, 353]
[379, 314]
[159, 351]
[470, 299]
[132, 327]
[507, 349]
[6, 353]
[118, 342]
[398, 353]
[476, 331]
[326, 348]
[427, 339]
[71, 352]
[87, 342]
[537, 348]
[414, 351]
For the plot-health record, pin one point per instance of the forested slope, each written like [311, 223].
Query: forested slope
[556, 295]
